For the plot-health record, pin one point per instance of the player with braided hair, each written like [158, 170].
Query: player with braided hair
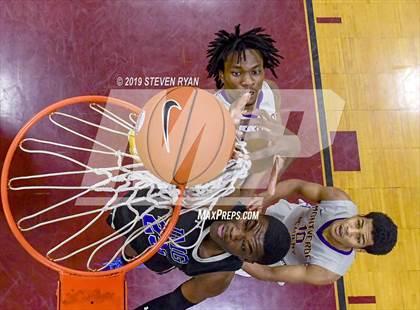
[227, 43]
[237, 62]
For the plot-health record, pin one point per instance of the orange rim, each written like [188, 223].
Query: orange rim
[5, 197]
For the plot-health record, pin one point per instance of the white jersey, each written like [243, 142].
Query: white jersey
[265, 101]
[306, 224]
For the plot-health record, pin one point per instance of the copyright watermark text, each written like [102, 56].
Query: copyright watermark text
[157, 81]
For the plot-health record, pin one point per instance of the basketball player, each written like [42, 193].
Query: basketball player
[237, 62]
[214, 254]
[325, 236]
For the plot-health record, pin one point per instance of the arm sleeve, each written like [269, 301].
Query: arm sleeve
[172, 301]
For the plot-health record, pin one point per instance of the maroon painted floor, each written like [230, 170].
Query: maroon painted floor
[54, 50]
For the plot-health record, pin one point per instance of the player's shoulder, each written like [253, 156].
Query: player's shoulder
[271, 84]
[334, 193]
[272, 92]
[337, 201]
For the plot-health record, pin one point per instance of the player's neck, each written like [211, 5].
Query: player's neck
[209, 248]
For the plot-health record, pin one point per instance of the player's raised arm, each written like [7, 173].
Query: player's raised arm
[237, 107]
[280, 140]
[310, 191]
[308, 274]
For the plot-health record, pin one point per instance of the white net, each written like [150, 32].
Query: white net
[115, 180]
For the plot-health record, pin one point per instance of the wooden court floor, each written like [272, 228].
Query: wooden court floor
[369, 56]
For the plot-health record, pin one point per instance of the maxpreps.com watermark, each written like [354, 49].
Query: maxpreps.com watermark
[221, 215]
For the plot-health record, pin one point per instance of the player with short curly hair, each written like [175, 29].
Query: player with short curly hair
[384, 233]
[325, 235]
[209, 255]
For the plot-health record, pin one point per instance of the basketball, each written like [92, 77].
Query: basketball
[186, 136]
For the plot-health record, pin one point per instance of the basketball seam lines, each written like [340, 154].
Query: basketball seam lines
[218, 149]
[183, 137]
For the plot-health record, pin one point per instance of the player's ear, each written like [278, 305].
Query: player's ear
[221, 76]
[248, 260]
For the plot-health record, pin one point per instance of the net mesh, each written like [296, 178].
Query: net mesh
[118, 179]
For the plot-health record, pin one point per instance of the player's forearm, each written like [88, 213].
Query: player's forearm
[290, 274]
[309, 274]
[286, 188]
[260, 272]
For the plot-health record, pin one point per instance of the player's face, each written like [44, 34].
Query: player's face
[241, 238]
[354, 232]
[242, 74]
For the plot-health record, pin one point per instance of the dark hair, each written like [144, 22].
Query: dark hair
[384, 233]
[226, 43]
[276, 242]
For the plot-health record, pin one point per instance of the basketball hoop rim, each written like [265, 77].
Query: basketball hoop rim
[5, 197]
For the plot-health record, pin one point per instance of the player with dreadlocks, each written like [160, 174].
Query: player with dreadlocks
[237, 62]
[226, 43]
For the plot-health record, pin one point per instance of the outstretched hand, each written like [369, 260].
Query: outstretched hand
[256, 204]
[278, 163]
[237, 107]
[272, 131]
[264, 199]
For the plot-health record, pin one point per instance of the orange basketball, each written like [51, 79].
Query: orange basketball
[187, 136]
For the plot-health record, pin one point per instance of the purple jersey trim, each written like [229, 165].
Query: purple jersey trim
[223, 93]
[324, 241]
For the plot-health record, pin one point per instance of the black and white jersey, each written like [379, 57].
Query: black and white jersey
[183, 251]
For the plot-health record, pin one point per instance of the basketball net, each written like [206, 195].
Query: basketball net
[117, 179]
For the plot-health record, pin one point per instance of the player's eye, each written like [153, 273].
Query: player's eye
[236, 73]
[256, 72]
[360, 224]
[243, 246]
[248, 225]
